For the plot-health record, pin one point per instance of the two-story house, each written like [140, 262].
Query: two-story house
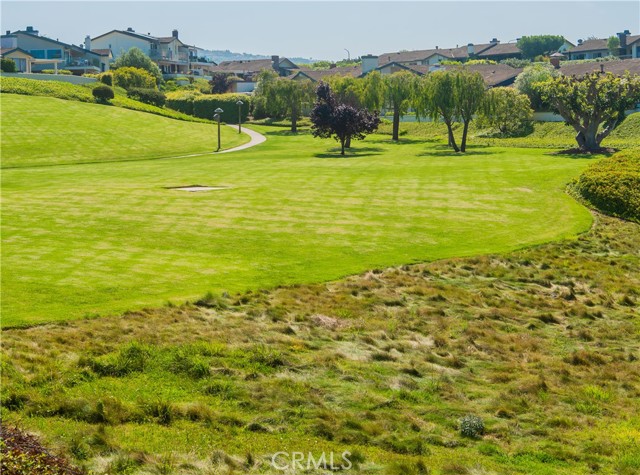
[37, 52]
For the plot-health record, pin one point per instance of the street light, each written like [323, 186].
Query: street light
[216, 116]
[239, 104]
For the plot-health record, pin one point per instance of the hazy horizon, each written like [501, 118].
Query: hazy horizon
[323, 30]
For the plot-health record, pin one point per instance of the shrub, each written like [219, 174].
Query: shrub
[129, 77]
[64, 72]
[8, 65]
[135, 58]
[508, 111]
[148, 96]
[103, 93]
[106, 78]
[471, 426]
[612, 185]
[204, 106]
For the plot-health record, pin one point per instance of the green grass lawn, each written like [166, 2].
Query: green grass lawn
[50, 131]
[101, 238]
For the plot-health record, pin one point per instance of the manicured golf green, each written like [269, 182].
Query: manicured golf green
[100, 238]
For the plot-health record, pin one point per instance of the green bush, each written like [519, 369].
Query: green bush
[103, 93]
[148, 96]
[204, 106]
[129, 77]
[612, 185]
[64, 72]
[106, 78]
[8, 65]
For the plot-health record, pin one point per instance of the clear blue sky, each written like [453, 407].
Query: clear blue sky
[322, 30]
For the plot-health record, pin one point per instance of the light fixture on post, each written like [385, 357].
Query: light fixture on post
[239, 104]
[216, 116]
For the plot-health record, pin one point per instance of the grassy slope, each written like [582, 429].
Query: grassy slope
[50, 131]
[541, 344]
[106, 238]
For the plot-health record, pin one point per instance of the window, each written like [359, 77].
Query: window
[37, 53]
[54, 54]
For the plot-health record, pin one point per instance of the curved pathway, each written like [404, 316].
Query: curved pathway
[256, 139]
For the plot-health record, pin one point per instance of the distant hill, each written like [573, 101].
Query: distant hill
[226, 55]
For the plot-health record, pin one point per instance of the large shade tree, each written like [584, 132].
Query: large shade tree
[331, 118]
[532, 46]
[594, 105]
[135, 58]
[287, 98]
[398, 89]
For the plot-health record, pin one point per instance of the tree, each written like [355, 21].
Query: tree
[398, 88]
[347, 90]
[469, 96]
[259, 102]
[8, 65]
[135, 58]
[506, 110]
[532, 75]
[286, 97]
[532, 46]
[129, 77]
[341, 121]
[373, 91]
[613, 45]
[435, 99]
[594, 105]
[219, 83]
[103, 93]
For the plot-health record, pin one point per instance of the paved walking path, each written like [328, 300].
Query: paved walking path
[256, 139]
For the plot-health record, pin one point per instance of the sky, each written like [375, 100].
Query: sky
[323, 30]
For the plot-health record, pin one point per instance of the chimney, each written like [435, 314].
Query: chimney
[623, 40]
[579, 42]
[87, 43]
[174, 33]
[8, 32]
[131, 30]
[470, 49]
[555, 59]
[494, 41]
[369, 63]
[31, 31]
[601, 67]
[275, 63]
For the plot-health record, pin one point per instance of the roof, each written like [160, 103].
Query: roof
[615, 67]
[590, 45]
[632, 39]
[493, 74]
[460, 52]
[500, 49]
[169, 39]
[128, 33]
[5, 51]
[319, 74]
[74, 47]
[248, 66]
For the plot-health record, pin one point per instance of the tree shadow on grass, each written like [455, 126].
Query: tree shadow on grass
[350, 153]
[445, 151]
[287, 132]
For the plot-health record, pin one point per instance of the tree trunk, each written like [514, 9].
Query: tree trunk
[342, 141]
[294, 123]
[463, 146]
[396, 124]
[347, 142]
[452, 139]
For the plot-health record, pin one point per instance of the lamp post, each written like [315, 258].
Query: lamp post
[216, 116]
[239, 104]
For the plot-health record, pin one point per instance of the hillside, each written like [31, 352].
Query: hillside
[76, 132]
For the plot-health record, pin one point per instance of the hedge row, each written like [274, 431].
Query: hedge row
[204, 105]
[612, 185]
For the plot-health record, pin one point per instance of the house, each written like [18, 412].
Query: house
[618, 67]
[316, 75]
[174, 58]
[248, 70]
[499, 51]
[19, 56]
[47, 53]
[629, 45]
[589, 49]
